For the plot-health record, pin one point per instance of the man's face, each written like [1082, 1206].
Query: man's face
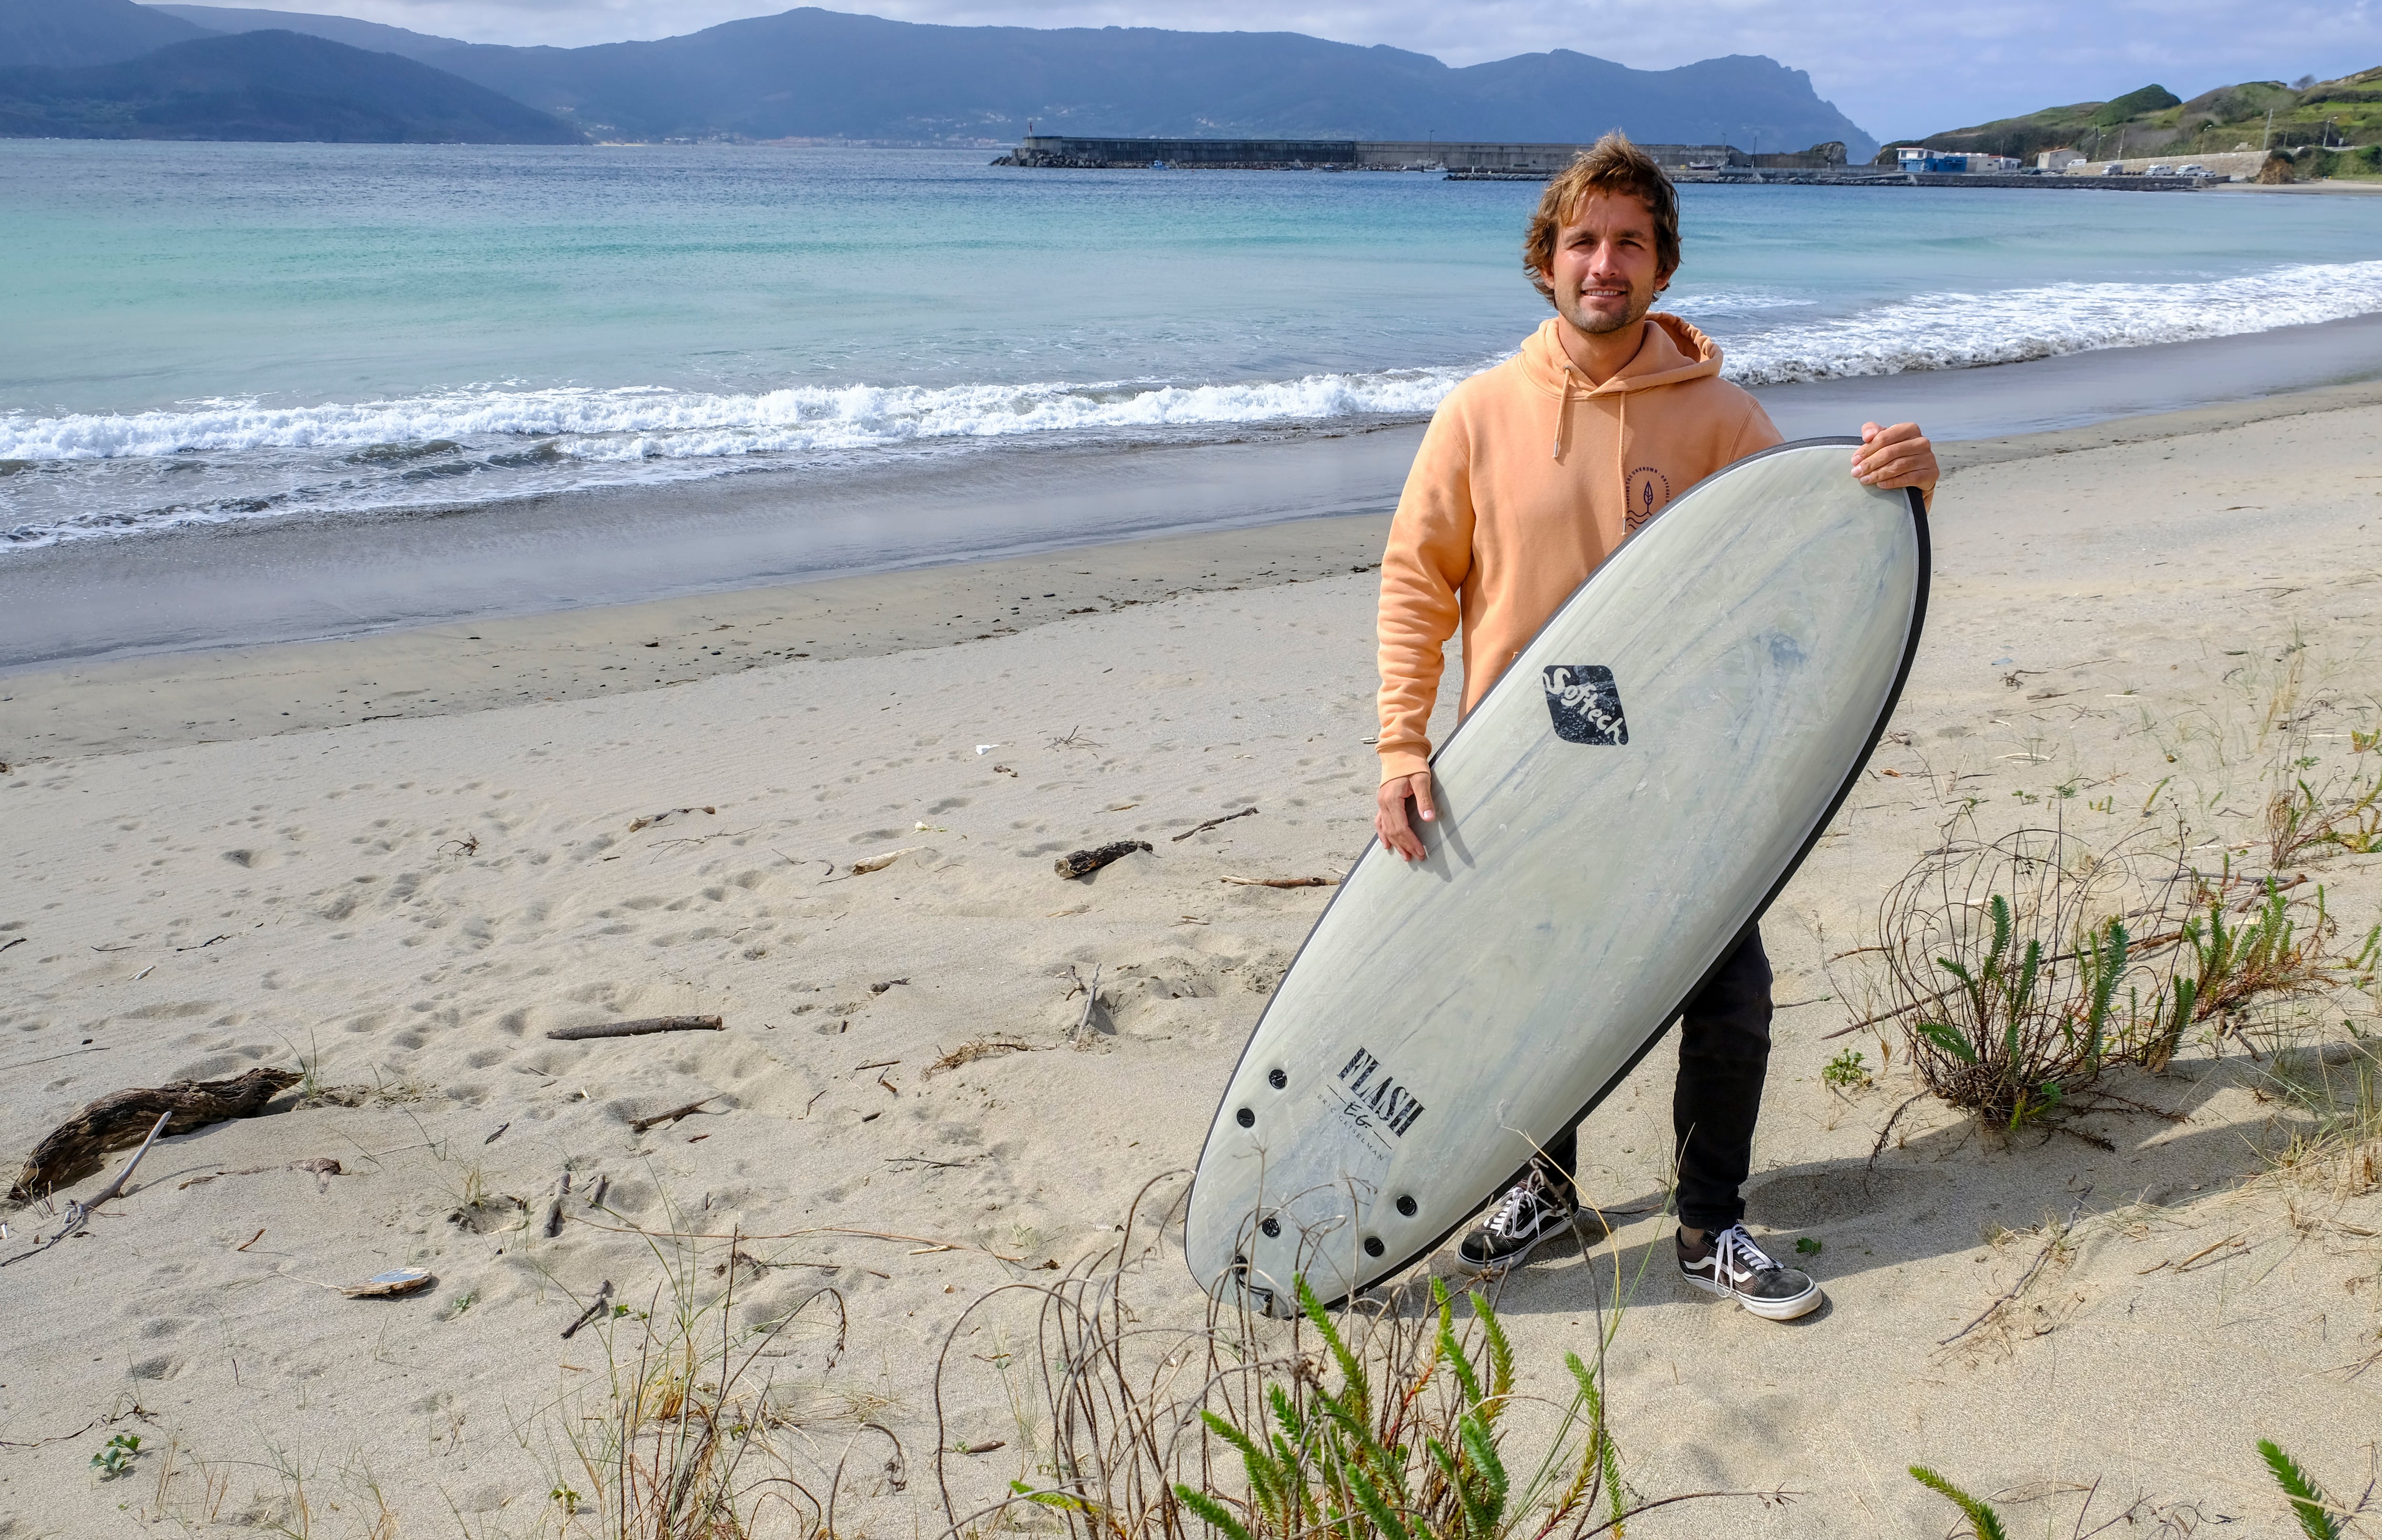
[1605, 274]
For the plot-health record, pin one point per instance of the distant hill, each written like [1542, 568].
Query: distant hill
[2152, 121]
[825, 75]
[66, 34]
[338, 29]
[274, 85]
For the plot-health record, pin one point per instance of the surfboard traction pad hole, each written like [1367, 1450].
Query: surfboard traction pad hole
[1586, 705]
[1245, 1118]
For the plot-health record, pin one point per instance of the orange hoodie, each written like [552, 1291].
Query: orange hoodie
[1527, 478]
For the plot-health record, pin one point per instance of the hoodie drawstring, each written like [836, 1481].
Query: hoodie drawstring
[1621, 461]
[1620, 446]
[1563, 411]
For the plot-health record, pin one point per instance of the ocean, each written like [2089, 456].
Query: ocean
[204, 335]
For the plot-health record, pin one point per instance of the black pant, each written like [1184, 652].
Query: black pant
[1724, 1056]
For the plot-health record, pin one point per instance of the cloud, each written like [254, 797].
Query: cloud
[1896, 72]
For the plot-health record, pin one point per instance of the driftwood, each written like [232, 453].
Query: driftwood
[641, 1124]
[79, 1213]
[1091, 1002]
[1083, 864]
[322, 1166]
[639, 1028]
[1211, 823]
[75, 1147]
[396, 1283]
[2050, 1247]
[1281, 882]
[603, 1298]
[878, 864]
[652, 818]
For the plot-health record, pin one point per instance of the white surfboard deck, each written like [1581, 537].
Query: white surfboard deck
[1612, 815]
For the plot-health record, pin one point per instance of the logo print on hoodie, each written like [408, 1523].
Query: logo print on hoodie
[1650, 493]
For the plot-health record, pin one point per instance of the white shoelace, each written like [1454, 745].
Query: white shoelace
[1506, 1220]
[1732, 1247]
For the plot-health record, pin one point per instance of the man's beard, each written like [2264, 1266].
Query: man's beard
[1598, 326]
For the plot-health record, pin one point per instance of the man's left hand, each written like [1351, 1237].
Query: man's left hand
[1896, 456]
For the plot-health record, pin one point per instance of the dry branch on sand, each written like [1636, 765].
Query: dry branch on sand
[983, 1048]
[649, 820]
[639, 1125]
[1083, 864]
[79, 1213]
[74, 1148]
[641, 1027]
[1211, 823]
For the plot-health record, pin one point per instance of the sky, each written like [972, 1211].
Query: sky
[1896, 70]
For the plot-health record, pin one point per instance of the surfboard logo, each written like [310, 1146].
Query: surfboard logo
[1375, 1098]
[1585, 703]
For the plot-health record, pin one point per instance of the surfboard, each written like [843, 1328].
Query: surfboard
[1614, 815]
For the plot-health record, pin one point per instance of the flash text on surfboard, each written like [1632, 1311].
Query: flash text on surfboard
[1382, 1099]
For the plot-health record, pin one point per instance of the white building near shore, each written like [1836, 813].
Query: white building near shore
[1918, 157]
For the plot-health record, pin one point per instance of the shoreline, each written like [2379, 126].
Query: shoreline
[475, 664]
[194, 591]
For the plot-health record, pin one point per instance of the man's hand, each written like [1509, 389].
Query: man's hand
[1390, 814]
[1896, 456]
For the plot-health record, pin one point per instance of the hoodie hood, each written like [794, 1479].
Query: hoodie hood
[1494, 533]
[1672, 352]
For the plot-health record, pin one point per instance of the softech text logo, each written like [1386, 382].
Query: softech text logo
[1373, 1097]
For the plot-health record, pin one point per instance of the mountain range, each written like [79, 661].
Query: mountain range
[269, 85]
[818, 75]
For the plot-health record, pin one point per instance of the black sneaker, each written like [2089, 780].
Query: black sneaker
[1531, 1210]
[1730, 1264]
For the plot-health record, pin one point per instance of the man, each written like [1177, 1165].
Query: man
[1531, 472]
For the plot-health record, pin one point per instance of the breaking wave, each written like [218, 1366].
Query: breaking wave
[84, 476]
[643, 423]
[1963, 331]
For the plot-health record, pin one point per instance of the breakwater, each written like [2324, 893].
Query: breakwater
[1471, 159]
[1069, 151]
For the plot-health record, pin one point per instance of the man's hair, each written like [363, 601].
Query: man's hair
[1615, 165]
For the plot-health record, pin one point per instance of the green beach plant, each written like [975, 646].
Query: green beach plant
[2014, 968]
[1983, 1523]
[2230, 964]
[2320, 1517]
[1393, 1418]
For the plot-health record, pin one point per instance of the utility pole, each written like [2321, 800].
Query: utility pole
[2268, 138]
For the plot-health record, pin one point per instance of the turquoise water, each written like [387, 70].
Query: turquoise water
[214, 333]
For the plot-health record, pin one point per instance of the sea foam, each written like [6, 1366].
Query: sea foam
[256, 461]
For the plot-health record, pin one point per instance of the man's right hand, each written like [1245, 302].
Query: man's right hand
[1390, 821]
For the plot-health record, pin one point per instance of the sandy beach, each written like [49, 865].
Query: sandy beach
[380, 861]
